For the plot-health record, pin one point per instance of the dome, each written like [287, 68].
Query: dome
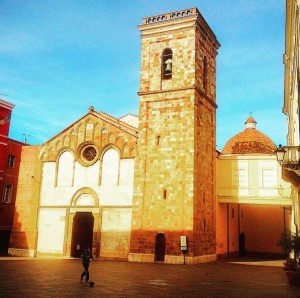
[249, 141]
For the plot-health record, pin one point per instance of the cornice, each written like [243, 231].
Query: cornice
[6, 104]
[174, 21]
[194, 87]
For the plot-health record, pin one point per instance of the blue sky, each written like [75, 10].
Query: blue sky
[59, 57]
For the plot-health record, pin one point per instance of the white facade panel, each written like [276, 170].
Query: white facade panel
[51, 231]
[48, 175]
[86, 176]
[126, 171]
[110, 168]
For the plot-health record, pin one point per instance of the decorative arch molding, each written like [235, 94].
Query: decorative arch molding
[42, 154]
[64, 142]
[133, 153]
[87, 120]
[62, 151]
[119, 143]
[75, 202]
[110, 146]
[111, 138]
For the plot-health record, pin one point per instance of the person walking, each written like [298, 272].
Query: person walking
[86, 258]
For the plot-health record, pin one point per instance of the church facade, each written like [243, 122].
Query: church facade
[144, 188]
[80, 188]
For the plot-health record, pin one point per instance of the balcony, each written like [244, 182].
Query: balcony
[289, 157]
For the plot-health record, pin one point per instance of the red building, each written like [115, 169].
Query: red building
[10, 153]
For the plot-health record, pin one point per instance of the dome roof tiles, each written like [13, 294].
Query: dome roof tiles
[249, 141]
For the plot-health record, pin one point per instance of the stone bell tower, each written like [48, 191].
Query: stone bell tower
[174, 187]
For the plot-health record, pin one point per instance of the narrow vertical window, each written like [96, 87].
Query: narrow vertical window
[166, 64]
[11, 161]
[165, 194]
[157, 140]
[7, 193]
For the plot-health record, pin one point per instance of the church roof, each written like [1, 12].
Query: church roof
[249, 141]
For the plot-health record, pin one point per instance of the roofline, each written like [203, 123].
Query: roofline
[128, 115]
[6, 104]
[110, 119]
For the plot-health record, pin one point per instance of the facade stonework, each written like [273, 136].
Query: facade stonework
[80, 193]
[175, 164]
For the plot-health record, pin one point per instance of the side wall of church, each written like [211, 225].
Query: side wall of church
[24, 232]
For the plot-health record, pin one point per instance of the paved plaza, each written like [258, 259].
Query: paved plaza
[40, 277]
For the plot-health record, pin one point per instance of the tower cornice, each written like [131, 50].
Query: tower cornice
[177, 20]
[194, 87]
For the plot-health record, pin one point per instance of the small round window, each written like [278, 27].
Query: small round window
[88, 155]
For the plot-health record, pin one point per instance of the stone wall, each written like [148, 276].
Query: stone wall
[24, 232]
[174, 167]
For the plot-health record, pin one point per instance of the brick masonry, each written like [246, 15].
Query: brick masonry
[175, 163]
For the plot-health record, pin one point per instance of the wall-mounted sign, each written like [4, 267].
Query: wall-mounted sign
[183, 243]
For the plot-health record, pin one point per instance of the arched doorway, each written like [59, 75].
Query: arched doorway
[82, 233]
[160, 247]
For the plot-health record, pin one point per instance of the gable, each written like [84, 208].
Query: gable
[96, 129]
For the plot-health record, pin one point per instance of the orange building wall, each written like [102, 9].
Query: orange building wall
[25, 219]
[227, 229]
[10, 177]
[263, 226]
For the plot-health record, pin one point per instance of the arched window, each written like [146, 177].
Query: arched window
[65, 169]
[166, 64]
[110, 167]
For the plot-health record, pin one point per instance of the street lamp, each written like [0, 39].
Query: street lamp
[280, 152]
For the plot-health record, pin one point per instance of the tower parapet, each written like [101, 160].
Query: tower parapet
[171, 15]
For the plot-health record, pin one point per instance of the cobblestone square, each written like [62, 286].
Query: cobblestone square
[39, 277]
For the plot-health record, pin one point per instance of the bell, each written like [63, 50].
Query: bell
[168, 65]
